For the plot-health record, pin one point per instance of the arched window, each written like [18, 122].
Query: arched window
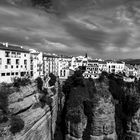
[64, 72]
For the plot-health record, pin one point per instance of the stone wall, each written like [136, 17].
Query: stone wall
[40, 122]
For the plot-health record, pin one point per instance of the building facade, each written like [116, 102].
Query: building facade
[14, 62]
[36, 61]
[115, 66]
[50, 64]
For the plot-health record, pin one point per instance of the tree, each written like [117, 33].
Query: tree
[52, 81]
[39, 83]
[17, 124]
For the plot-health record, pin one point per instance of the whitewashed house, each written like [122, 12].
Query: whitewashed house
[14, 62]
[115, 66]
[36, 61]
[50, 64]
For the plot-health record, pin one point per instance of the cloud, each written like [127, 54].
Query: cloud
[103, 28]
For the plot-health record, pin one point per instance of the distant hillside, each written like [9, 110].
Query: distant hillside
[42, 3]
[132, 61]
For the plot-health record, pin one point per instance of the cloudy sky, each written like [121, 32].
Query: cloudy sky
[101, 28]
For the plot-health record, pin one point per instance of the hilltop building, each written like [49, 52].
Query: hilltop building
[50, 64]
[115, 66]
[36, 61]
[14, 62]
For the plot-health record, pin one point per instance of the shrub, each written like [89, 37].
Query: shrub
[17, 124]
[75, 115]
[105, 138]
[21, 82]
[131, 104]
[39, 83]
[4, 99]
[52, 80]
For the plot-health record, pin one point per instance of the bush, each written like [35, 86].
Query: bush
[52, 80]
[17, 124]
[105, 138]
[75, 115]
[4, 99]
[39, 83]
[21, 82]
[131, 104]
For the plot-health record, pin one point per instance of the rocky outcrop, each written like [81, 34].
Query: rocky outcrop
[132, 127]
[75, 126]
[39, 122]
[101, 117]
[93, 117]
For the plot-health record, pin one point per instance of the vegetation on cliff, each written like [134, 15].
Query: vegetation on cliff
[17, 124]
[83, 96]
[18, 82]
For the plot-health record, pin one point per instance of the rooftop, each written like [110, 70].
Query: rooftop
[49, 55]
[93, 61]
[11, 47]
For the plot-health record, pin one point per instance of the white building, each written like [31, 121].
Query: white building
[65, 73]
[130, 70]
[115, 66]
[36, 61]
[50, 64]
[102, 66]
[14, 62]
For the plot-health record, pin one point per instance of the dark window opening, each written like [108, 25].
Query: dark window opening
[12, 73]
[8, 74]
[8, 61]
[2, 74]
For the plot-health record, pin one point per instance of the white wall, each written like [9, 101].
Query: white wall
[13, 68]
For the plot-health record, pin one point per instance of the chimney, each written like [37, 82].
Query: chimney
[6, 44]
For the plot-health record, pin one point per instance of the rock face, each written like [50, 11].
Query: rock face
[39, 122]
[101, 119]
[75, 129]
[133, 127]
[94, 117]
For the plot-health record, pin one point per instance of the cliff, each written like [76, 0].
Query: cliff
[90, 113]
[39, 122]
[107, 108]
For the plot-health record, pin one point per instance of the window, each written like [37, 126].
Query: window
[61, 73]
[31, 73]
[22, 73]
[6, 67]
[11, 66]
[113, 66]
[8, 74]
[12, 73]
[16, 73]
[17, 61]
[18, 54]
[17, 66]
[31, 61]
[8, 61]
[0, 61]
[21, 66]
[7, 54]
[24, 55]
[25, 62]
[13, 54]
[64, 72]
[31, 67]
[2, 74]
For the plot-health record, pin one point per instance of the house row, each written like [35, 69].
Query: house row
[16, 61]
